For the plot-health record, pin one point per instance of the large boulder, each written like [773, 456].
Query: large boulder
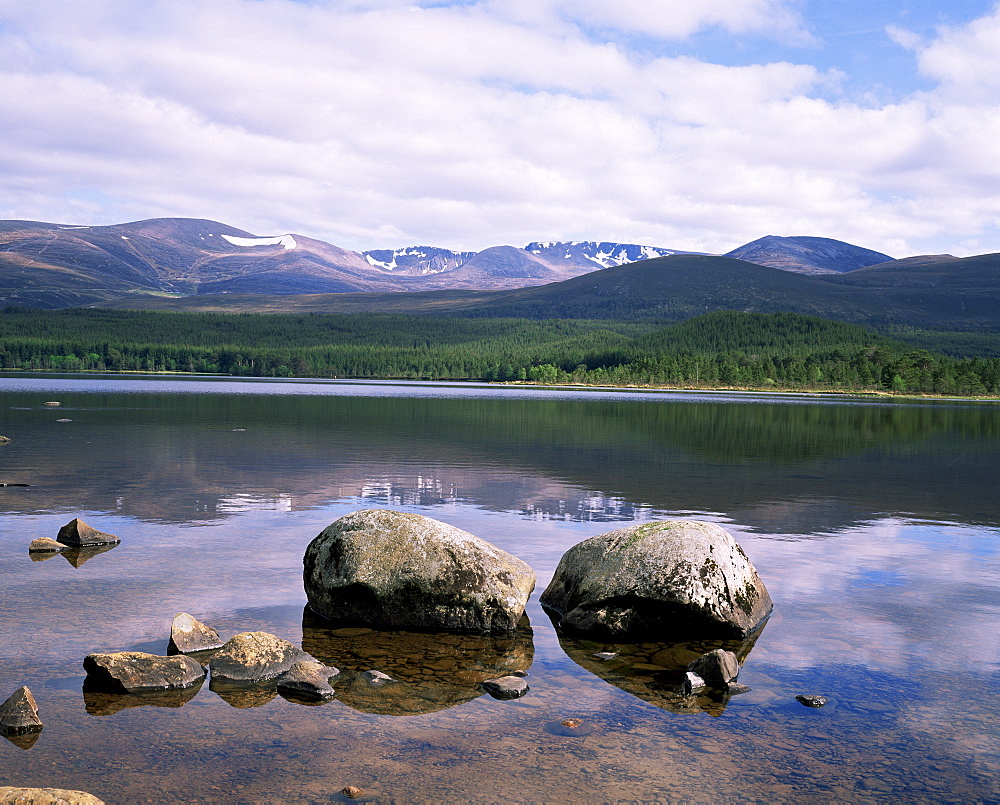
[136, 671]
[392, 569]
[674, 578]
[19, 713]
[78, 534]
[251, 657]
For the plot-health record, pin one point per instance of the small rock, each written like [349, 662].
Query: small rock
[811, 701]
[506, 687]
[188, 634]
[606, 655]
[519, 673]
[78, 533]
[570, 727]
[735, 689]
[4, 439]
[309, 680]
[255, 657]
[45, 796]
[352, 791]
[45, 545]
[64, 420]
[377, 677]
[135, 671]
[19, 714]
[718, 668]
[52, 402]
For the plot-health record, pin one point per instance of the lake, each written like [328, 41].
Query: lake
[875, 526]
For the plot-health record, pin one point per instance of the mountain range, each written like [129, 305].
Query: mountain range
[56, 265]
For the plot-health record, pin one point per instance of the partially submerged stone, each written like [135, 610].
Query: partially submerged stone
[136, 671]
[255, 657]
[673, 578]
[394, 569]
[810, 700]
[506, 687]
[45, 545]
[77, 533]
[45, 796]
[717, 668]
[19, 714]
[308, 679]
[188, 634]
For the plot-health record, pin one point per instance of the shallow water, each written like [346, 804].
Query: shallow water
[875, 526]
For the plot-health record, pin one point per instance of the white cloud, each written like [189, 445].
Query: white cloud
[371, 124]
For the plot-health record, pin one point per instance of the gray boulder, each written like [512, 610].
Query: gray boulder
[717, 668]
[392, 569]
[79, 534]
[255, 657]
[676, 578]
[19, 714]
[136, 671]
[45, 796]
[506, 687]
[188, 634]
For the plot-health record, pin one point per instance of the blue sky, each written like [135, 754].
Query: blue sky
[385, 123]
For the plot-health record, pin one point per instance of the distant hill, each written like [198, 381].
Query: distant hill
[807, 255]
[961, 295]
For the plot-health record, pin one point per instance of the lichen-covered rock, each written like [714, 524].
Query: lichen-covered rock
[45, 796]
[308, 680]
[255, 657]
[676, 578]
[393, 569]
[136, 671]
[188, 634]
[19, 714]
[78, 533]
[45, 545]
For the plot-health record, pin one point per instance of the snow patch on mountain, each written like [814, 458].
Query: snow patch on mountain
[282, 240]
[416, 260]
[602, 255]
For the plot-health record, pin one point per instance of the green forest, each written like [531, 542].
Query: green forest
[723, 349]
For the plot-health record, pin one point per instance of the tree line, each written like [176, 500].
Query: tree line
[725, 349]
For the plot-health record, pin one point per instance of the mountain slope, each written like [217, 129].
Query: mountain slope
[807, 255]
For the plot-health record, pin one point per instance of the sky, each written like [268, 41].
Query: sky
[686, 124]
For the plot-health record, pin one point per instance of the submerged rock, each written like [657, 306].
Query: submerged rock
[392, 569]
[811, 701]
[308, 680]
[255, 657]
[188, 634]
[45, 545]
[136, 671]
[79, 534]
[19, 714]
[431, 670]
[45, 796]
[678, 578]
[506, 687]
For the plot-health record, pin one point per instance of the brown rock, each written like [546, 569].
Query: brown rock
[46, 796]
[717, 667]
[19, 714]
[254, 657]
[308, 680]
[353, 791]
[45, 545]
[135, 671]
[188, 634]
[78, 533]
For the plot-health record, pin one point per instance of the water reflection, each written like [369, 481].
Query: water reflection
[107, 703]
[431, 670]
[24, 741]
[654, 671]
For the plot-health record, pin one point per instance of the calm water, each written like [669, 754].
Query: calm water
[876, 528]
